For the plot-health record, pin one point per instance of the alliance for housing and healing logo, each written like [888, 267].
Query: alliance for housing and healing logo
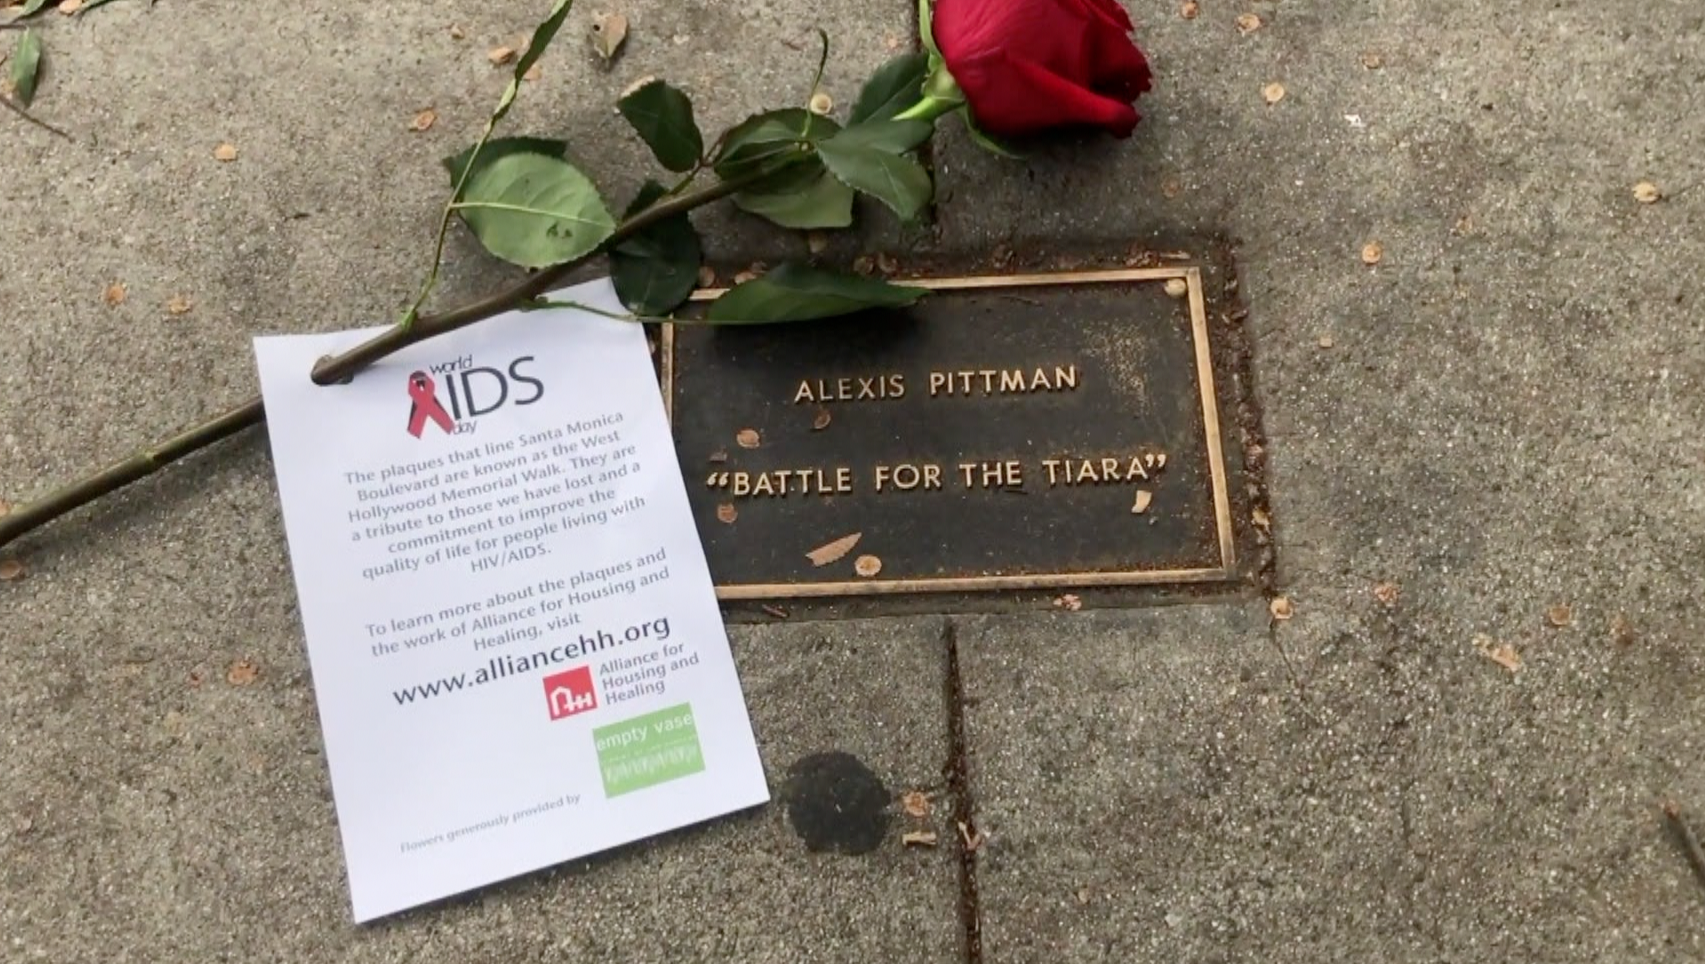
[472, 390]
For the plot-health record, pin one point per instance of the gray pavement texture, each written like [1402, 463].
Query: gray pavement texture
[1497, 419]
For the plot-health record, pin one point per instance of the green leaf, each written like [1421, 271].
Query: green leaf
[926, 31]
[502, 147]
[812, 198]
[896, 85]
[31, 6]
[655, 270]
[768, 138]
[795, 292]
[663, 116]
[534, 210]
[26, 66]
[868, 158]
[822, 61]
[985, 140]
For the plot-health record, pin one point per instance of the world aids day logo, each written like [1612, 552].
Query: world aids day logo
[451, 396]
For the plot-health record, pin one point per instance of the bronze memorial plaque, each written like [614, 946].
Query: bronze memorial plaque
[1041, 432]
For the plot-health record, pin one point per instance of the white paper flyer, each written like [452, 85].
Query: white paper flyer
[517, 653]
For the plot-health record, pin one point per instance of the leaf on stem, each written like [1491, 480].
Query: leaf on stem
[31, 6]
[663, 117]
[896, 86]
[534, 210]
[656, 270]
[26, 66]
[796, 292]
[815, 200]
[769, 138]
[870, 158]
[500, 148]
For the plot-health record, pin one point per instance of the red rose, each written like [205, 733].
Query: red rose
[1028, 65]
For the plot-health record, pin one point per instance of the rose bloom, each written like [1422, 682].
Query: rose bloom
[1029, 65]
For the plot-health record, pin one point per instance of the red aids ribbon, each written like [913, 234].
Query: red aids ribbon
[426, 405]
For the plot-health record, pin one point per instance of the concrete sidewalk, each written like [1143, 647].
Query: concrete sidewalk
[1495, 421]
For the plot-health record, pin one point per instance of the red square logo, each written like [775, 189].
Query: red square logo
[570, 692]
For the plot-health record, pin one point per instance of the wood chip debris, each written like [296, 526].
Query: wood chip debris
[500, 55]
[1372, 252]
[1386, 593]
[915, 803]
[225, 152]
[242, 673]
[69, 7]
[918, 838]
[424, 120]
[1248, 23]
[1144, 499]
[727, 513]
[834, 551]
[1372, 61]
[1281, 608]
[1647, 193]
[1503, 654]
[821, 422]
[1071, 602]
[867, 566]
[1261, 519]
[776, 611]
[115, 294]
[1273, 93]
[533, 74]
[1326, 341]
[1190, 10]
[179, 305]
[457, 33]
[748, 438]
[1560, 615]
[11, 569]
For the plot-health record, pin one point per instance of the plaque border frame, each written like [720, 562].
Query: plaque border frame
[1226, 571]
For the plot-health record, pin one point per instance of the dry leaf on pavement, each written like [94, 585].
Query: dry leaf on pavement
[1326, 341]
[1560, 615]
[242, 673]
[424, 120]
[1281, 608]
[1261, 519]
[500, 55]
[533, 73]
[1372, 252]
[1372, 61]
[834, 551]
[179, 305]
[1144, 499]
[609, 32]
[1386, 593]
[1189, 10]
[748, 438]
[456, 32]
[1647, 193]
[918, 838]
[972, 840]
[11, 569]
[115, 294]
[1273, 93]
[1503, 654]
[1248, 23]
[867, 566]
[69, 7]
[916, 803]
[225, 152]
